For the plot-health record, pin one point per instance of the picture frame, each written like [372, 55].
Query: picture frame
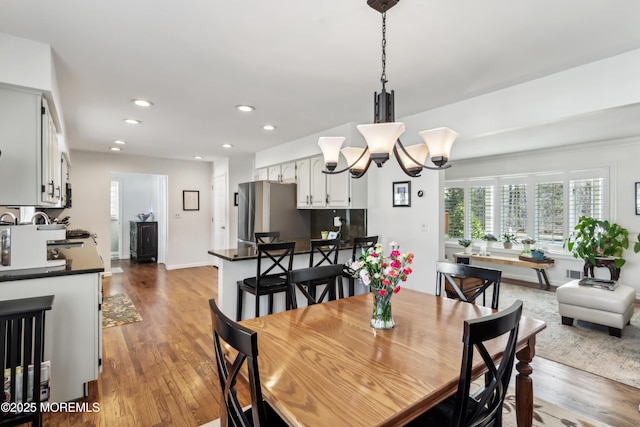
[190, 200]
[637, 198]
[402, 194]
[235, 199]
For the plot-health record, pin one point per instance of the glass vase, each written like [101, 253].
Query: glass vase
[381, 317]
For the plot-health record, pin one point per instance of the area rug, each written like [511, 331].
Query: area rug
[585, 345]
[118, 310]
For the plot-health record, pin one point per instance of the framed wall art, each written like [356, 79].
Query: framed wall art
[402, 194]
[190, 200]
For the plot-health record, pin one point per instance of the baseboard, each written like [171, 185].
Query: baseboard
[180, 266]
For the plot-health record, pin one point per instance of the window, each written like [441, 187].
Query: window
[480, 211]
[115, 200]
[513, 209]
[454, 212]
[549, 212]
[585, 199]
[545, 206]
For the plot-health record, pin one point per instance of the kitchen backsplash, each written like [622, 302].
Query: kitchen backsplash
[354, 222]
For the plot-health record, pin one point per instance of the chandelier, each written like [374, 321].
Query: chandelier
[383, 136]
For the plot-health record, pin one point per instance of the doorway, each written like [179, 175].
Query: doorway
[134, 194]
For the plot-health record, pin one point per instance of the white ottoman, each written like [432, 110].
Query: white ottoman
[610, 308]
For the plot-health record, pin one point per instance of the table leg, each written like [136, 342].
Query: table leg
[524, 384]
[543, 280]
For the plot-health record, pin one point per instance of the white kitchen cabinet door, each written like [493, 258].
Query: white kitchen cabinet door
[318, 182]
[274, 173]
[288, 172]
[338, 187]
[263, 174]
[303, 180]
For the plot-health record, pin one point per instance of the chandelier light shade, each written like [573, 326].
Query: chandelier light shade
[330, 146]
[383, 136]
[358, 158]
[412, 157]
[439, 141]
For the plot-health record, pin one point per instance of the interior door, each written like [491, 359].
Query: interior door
[220, 232]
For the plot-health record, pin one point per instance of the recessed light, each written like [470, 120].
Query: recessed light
[142, 103]
[197, 157]
[268, 127]
[114, 149]
[227, 145]
[245, 108]
[132, 121]
[119, 142]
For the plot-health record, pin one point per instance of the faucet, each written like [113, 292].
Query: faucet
[13, 217]
[41, 214]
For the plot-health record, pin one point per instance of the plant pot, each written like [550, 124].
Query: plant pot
[507, 245]
[467, 250]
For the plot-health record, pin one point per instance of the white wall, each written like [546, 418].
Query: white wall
[188, 235]
[620, 157]
[404, 224]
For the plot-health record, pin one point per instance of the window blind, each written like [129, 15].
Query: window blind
[480, 211]
[549, 212]
[586, 198]
[454, 212]
[115, 199]
[513, 209]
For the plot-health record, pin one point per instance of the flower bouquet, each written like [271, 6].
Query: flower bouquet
[383, 275]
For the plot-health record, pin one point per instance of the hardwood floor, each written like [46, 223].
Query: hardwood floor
[160, 372]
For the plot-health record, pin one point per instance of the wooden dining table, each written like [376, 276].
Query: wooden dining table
[324, 365]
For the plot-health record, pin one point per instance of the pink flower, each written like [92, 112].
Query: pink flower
[386, 282]
[382, 292]
[393, 273]
[407, 271]
[395, 263]
[396, 289]
[364, 275]
[395, 253]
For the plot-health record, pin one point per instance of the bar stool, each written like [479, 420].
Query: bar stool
[267, 236]
[22, 347]
[274, 261]
[324, 252]
[359, 243]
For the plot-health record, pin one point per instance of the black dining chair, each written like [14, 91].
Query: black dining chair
[467, 283]
[328, 274]
[483, 407]
[359, 243]
[245, 342]
[267, 236]
[324, 252]
[274, 261]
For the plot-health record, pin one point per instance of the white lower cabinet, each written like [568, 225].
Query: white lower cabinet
[73, 329]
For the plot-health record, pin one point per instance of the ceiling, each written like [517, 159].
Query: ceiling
[306, 66]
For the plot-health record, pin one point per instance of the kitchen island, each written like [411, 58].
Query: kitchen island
[73, 331]
[240, 262]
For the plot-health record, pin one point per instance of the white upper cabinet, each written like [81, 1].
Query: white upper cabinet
[273, 173]
[304, 183]
[288, 172]
[30, 159]
[263, 174]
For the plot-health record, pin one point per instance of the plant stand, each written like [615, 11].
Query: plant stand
[608, 263]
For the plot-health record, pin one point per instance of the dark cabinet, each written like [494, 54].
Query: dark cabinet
[144, 241]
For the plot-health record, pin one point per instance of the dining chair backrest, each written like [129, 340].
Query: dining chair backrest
[274, 259]
[267, 236]
[328, 274]
[485, 408]
[245, 342]
[360, 243]
[467, 282]
[324, 252]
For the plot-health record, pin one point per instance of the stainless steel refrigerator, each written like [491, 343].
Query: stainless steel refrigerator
[270, 206]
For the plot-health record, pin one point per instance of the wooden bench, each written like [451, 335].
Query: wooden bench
[540, 266]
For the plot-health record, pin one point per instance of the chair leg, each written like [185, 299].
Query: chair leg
[257, 304]
[239, 306]
[352, 286]
[270, 303]
[340, 287]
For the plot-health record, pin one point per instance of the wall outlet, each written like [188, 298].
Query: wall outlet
[177, 215]
[337, 222]
[423, 227]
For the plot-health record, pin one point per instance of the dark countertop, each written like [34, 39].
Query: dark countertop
[246, 251]
[80, 260]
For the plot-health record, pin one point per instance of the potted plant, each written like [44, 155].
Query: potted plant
[594, 239]
[508, 239]
[466, 244]
[489, 238]
[526, 243]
